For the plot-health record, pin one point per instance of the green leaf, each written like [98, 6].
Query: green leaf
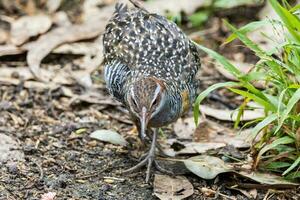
[205, 93]
[265, 104]
[293, 175]
[198, 18]
[247, 28]
[249, 43]
[295, 164]
[283, 140]
[278, 165]
[291, 22]
[221, 59]
[261, 125]
[293, 100]
[295, 8]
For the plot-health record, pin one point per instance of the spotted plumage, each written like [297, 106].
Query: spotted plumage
[150, 66]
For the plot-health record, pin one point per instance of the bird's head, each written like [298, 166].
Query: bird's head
[145, 99]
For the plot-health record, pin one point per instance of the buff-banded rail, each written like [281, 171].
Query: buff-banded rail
[150, 67]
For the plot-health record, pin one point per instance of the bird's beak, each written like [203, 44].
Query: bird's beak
[144, 122]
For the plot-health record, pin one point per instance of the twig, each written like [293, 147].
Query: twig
[40, 170]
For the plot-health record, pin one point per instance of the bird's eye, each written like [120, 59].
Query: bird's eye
[133, 101]
[155, 102]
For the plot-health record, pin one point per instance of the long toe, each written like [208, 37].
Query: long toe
[162, 169]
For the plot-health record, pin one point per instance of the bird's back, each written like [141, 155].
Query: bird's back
[150, 45]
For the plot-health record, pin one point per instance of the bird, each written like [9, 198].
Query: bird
[150, 66]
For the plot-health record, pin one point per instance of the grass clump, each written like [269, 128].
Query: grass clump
[279, 147]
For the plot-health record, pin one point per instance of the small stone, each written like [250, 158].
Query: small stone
[105, 187]
[108, 180]
[29, 149]
[12, 168]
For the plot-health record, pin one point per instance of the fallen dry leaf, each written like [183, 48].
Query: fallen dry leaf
[78, 48]
[28, 26]
[10, 49]
[109, 136]
[207, 167]
[266, 178]
[3, 36]
[46, 43]
[212, 132]
[61, 19]
[29, 84]
[53, 5]
[230, 115]
[23, 73]
[172, 188]
[184, 128]
[175, 6]
[91, 28]
[48, 196]
[199, 147]
[8, 150]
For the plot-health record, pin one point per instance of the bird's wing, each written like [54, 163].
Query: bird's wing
[116, 75]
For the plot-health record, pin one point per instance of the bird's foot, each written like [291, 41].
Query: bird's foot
[148, 160]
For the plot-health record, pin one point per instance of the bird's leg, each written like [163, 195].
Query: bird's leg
[158, 146]
[148, 160]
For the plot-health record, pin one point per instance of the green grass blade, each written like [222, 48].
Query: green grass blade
[221, 59]
[283, 140]
[268, 120]
[293, 100]
[204, 94]
[257, 99]
[293, 175]
[249, 43]
[295, 164]
[295, 8]
[291, 22]
[277, 165]
[252, 26]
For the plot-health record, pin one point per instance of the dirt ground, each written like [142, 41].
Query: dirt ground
[52, 127]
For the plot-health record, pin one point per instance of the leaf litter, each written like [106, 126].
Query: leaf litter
[172, 188]
[29, 26]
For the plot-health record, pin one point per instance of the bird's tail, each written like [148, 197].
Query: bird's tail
[138, 4]
[121, 8]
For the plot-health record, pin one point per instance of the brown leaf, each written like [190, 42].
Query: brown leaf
[28, 26]
[46, 43]
[3, 36]
[230, 115]
[184, 128]
[175, 6]
[53, 5]
[61, 19]
[10, 49]
[172, 188]
[199, 147]
[62, 76]
[212, 132]
[48, 196]
[29, 84]
[8, 150]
